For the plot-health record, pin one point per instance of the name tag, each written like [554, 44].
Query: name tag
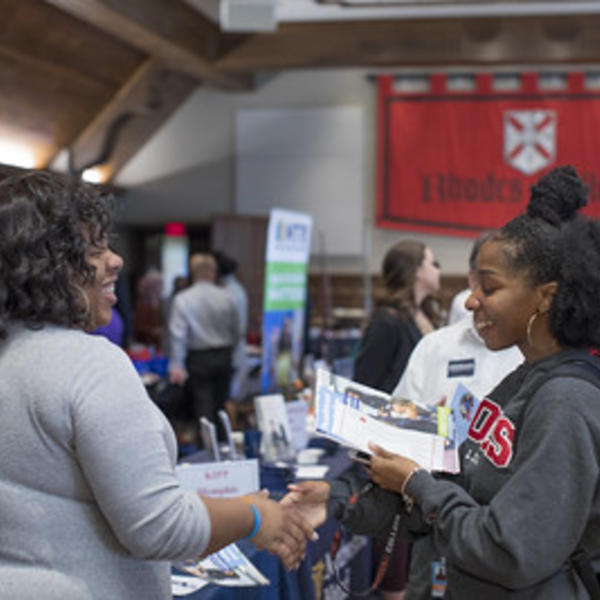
[461, 368]
[438, 578]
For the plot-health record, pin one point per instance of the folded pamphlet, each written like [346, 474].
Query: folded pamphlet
[354, 414]
[228, 567]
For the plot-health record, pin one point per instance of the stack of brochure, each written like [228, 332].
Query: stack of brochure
[227, 567]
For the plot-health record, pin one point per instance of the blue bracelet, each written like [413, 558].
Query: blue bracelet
[257, 522]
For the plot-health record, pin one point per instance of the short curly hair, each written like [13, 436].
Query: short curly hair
[553, 242]
[47, 222]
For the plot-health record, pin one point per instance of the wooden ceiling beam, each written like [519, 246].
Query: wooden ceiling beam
[169, 30]
[515, 40]
[143, 104]
[50, 68]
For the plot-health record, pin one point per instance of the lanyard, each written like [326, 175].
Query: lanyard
[385, 559]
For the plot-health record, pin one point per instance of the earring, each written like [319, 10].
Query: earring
[532, 318]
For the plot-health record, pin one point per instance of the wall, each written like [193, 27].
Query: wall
[187, 170]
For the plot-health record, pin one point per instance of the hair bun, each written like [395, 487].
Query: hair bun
[557, 196]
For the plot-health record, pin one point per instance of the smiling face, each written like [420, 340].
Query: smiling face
[100, 292]
[502, 300]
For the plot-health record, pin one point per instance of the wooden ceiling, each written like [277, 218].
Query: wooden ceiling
[100, 76]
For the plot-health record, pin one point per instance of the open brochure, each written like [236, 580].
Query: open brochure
[228, 567]
[354, 414]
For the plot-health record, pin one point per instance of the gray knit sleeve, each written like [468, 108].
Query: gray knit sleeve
[125, 448]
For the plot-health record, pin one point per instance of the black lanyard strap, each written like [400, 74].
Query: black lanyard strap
[385, 559]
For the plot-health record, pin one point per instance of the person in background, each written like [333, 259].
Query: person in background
[125, 309]
[523, 519]
[180, 283]
[448, 356]
[227, 269]
[118, 331]
[91, 507]
[204, 328]
[411, 275]
[113, 330]
[148, 312]
[458, 310]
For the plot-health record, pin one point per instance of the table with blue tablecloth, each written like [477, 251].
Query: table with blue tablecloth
[312, 580]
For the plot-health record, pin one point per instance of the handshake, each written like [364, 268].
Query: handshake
[286, 526]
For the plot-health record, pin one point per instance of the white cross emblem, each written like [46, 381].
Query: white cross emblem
[529, 139]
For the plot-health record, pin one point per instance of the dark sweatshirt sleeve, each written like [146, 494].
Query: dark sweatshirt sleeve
[374, 510]
[537, 519]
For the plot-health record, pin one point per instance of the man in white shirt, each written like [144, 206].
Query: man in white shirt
[450, 355]
[227, 268]
[204, 329]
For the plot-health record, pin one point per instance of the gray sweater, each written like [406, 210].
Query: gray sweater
[90, 506]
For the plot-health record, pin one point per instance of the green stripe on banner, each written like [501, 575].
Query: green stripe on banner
[285, 286]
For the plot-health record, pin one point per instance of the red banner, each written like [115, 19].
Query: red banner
[456, 163]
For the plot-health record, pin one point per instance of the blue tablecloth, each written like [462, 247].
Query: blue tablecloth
[312, 577]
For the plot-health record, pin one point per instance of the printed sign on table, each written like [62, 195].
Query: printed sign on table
[220, 479]
[272, 420]
[229, 566]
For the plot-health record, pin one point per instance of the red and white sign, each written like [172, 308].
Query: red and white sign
[220, 479]
[529, 139]
[457, 163]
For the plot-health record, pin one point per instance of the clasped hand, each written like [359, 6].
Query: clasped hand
[389, 470]
[306, 501]
[284, 530]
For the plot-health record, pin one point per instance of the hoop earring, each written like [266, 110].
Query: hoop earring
[532, 318]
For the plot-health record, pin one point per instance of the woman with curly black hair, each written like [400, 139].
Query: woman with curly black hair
[523, 519]
[90, 506]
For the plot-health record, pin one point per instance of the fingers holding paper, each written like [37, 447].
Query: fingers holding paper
[390, 471]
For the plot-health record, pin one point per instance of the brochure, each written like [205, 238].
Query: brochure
[354, 414]
[463, 408]
[273, 422]
[228, 567]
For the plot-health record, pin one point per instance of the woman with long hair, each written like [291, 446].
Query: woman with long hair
[411, 275]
